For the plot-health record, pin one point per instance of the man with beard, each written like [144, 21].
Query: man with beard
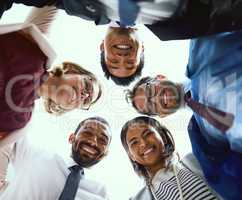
[122, 54]
[40, 175]
[214, 94]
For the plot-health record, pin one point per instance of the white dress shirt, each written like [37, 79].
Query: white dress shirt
[149, 13]
[40, 175]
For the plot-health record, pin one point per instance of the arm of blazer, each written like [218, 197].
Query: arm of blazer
[7, 4]
[200, 18]
[192, 21]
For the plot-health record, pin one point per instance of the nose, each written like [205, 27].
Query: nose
[84, 95]
[93, 141]
[142, 143]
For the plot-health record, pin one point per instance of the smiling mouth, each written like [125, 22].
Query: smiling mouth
[89, 150]
[165, 98]
[148, 151]
[123, 46]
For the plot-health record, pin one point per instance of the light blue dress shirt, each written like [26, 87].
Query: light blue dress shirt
[215, 71]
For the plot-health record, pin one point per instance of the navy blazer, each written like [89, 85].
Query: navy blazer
[200, 18]
[221, 166]
[92, 10]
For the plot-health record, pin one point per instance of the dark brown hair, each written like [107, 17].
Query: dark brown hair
[162, 130]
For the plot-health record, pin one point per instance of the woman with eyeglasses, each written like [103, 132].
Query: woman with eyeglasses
[151, 150]
[25, 57]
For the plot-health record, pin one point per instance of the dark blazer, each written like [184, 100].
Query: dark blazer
[92, 10]
[200, 18]
[221, 166]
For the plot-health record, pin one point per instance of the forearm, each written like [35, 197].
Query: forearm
[4, 162]
[3, 134]
[7, 4]
[36, 3]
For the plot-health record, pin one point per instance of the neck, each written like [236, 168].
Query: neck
[181, 91]
[152, 170]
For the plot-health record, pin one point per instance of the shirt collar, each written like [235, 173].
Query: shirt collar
[70, 162]
[186, 84]
[117, 24]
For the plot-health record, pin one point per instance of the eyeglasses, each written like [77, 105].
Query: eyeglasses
[150, 88]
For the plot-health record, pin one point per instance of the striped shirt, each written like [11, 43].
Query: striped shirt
[165, 185]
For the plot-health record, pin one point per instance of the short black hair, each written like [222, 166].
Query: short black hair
[123, 81]
[100, 119]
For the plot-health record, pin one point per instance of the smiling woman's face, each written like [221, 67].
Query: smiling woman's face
[75, 91]
[145, 145]
[122, 49]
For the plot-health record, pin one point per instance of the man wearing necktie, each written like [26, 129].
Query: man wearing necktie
[42, 176]
[215, 96]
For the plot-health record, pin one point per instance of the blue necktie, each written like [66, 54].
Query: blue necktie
[128, 12]
[72, 182]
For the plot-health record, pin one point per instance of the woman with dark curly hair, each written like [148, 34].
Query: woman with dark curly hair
[151, 150]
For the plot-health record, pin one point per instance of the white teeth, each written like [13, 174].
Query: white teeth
[165, 99]
[148, 151]
[122, 46]
[89, 150]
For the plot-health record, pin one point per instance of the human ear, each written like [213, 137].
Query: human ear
[143, 49]
[72, 138]
[102, 46]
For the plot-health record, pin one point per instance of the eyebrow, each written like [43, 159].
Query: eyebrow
[102, 133]
[133, 138]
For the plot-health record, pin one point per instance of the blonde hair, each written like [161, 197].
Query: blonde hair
[59, 71]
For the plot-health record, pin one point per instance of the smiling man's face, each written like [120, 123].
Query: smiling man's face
[90, 143]
[122, 49]
[157, 97]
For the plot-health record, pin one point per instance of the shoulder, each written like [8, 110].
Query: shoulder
[190, 162]
[94, 187]
[143, 194]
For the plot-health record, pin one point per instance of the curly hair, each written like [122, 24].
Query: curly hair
[59, 71]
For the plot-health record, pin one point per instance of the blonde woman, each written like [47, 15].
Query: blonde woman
[25, 75]
[25, 57]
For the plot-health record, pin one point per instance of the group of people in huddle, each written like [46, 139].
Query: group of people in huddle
[211, 171]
